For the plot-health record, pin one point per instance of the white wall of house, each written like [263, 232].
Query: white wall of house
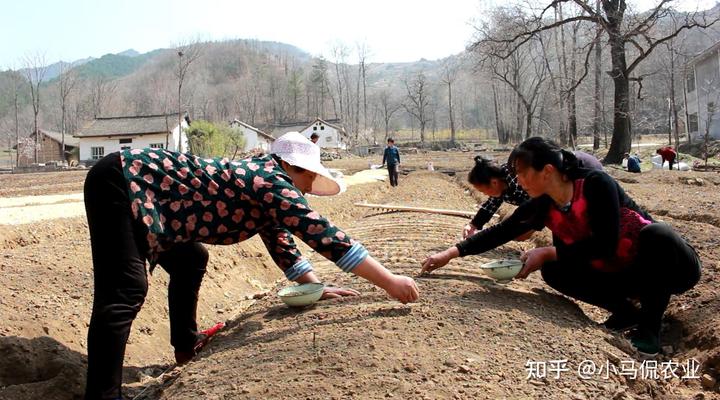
[705, 77]
[253, 140]
[112, 144]
[176, 135]
[329, 136]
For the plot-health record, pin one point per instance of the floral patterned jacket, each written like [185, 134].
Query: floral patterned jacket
[181, 197]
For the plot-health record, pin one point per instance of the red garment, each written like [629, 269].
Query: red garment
[667, 153]
[574, 225]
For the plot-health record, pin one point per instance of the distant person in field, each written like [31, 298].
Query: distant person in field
[500, 185]
[668, 154]
[606, 250]
[633, 163]
[160, 206]
[391, 157]
[314, 137]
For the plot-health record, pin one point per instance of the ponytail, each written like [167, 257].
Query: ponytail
[483, 171]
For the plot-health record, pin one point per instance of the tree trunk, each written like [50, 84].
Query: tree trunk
[62, 135]
[596, 100]
[673, 104]
[498, 128]
[37, 138]
[687, 113]
[450, 108]
[17, 129]
[528, 120]
[620, 143]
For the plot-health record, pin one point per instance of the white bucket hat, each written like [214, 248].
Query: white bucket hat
[295, 149]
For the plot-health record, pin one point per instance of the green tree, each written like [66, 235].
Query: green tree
[206, 139]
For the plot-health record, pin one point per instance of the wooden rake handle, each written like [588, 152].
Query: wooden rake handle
[455, 213]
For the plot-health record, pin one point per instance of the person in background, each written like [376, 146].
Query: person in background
[391, 157]
[500, 185]
[160, 206]
[633, 163]
[606, 250]
[668, 154]
[314, 137]
[588, 161]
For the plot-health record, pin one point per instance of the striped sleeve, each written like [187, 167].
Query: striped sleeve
[353, 257]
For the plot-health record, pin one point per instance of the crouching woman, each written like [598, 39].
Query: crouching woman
[606, 250]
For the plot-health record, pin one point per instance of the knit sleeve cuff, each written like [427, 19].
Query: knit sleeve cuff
[300, 268]
[353, 257]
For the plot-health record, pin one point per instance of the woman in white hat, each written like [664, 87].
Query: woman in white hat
[158, 205]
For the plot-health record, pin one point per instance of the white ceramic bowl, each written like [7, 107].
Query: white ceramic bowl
[301, 295]
[503, 271]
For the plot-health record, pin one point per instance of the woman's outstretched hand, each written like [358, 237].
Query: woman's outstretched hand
[403, 288]
[336, 292]
[439, 260]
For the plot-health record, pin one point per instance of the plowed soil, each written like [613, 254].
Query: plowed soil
[467, 337]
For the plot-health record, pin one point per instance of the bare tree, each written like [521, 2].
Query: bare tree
[363, 52]
[295, 88]
[449, 75]
[418, 101]
[525, 73]
[634, 30]
[187, 53]
[16, 81]
[101, 89]
[387, 107]
[339, 53]
[35, 69]
[66, 85]
[319, 81]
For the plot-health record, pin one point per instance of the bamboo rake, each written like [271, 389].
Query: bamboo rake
[389, 207]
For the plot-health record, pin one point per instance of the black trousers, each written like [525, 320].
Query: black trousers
[665, 265]
[393, 173]
[120, 277]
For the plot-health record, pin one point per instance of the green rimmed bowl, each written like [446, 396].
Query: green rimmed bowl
[503, 271]
[301, 295]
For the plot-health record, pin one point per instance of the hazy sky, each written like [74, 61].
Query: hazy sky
[394, 30]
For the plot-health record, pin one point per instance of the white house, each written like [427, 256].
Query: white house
[254, 137]
[332, 136]
[105, 135]
[702, 92]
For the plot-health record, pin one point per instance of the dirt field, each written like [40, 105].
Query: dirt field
[467, 338]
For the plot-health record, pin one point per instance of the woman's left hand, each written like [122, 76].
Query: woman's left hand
[534, 259]
[336, 292]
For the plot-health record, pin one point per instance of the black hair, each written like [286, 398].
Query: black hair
[483, 171]
[537, 152]
[314, 135]
[391, 140]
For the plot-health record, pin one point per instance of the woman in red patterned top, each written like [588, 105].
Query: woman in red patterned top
[606, 250]
[159, 206]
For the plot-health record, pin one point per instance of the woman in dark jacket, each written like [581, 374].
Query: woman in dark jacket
[606, 250]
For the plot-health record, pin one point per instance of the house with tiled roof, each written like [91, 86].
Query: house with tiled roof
[105, 135]
[49, 150]
[255, 139]
[331, 133]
